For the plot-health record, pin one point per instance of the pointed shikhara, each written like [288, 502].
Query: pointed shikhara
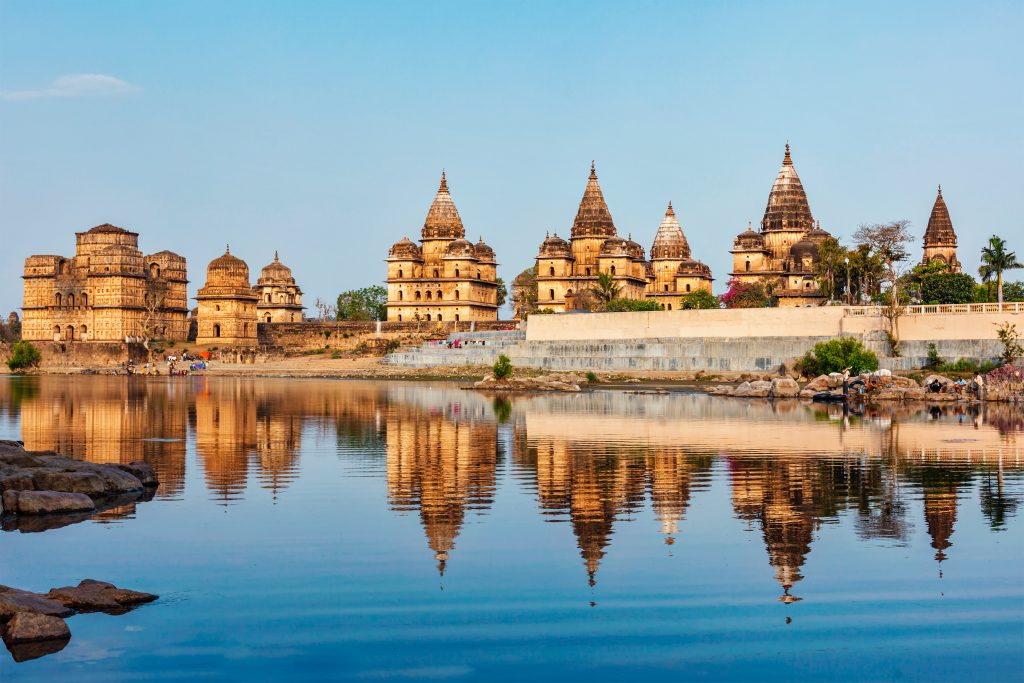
[940, 238]
[593, 219]
[446, 278]
[783, 255]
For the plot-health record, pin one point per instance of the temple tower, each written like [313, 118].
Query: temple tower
[280, 299]
[940, 238]
[227, 304]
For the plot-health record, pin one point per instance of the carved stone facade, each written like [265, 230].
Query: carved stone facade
[567, 270]
[446, 279]
[108, 291]
[784, 252]
[940, 238]
[227, 304]
[280, 299]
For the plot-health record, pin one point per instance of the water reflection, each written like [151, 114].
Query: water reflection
[593, 461]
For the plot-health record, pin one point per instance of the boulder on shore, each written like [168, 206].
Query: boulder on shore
[785, 387]
[819, 383]
[45, 502]
[98, 596]
[13, 601]
[932, 378]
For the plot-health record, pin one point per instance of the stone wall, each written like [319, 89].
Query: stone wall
[59, 355]
[307, 336]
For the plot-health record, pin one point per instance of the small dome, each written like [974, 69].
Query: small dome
[483, 251]
[748, 239]
[524, 279]
[670, 242]
[614, 246]
[817, 235]
[634, 249]
[460, 249]
[106, 228]
[276, 273]
[555, 247]
[690, 267]
[802, 249]
[405, 250]
[227, 271]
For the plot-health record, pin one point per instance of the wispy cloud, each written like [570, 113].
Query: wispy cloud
[74, 85]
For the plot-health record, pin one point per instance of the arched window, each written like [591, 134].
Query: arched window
[748, 266]
[154, 270]
[551, 270]
[83, 332]
[613, 270]
[456, 272]
[217, 307]
[61, 267]
[69, 333]
[670, 307]
[440, 295]
[438, 317]
[400, 273]
[56, 332]
[428, 295]
[457, 317]
[417, 296]
[436, 273]
[588, 272]
[57, 299]
[245, 330]
[399, 295]
[478, 275]
[687, 288]
[85, 299]
[268, 318]
[71, 300]
[399, 317]
[456, 295]
[551, 294]
[666, 288]
[428, 317]
[216, 330]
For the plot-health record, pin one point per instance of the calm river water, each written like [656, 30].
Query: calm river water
[325, 529]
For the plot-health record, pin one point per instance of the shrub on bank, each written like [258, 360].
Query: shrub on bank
[699, 300]
[502, 367]
[623, 305]
[835, 355]
[24, 355]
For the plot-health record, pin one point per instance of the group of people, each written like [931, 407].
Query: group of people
[188, 365]
[961, 387]
[459, 343]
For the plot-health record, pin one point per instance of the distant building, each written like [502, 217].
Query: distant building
[280, 299]
[568, 270]
[108, 291]
[448, 278]
[227, 304]
[940, 238]
[784, 252]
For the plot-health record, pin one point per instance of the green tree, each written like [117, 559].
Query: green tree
[23, 355]
[605, 289]
[524, 293]
[699, 299]
[1013, 291]
[888, 242]
[835, 355]
[947, 288]
[620, 305]
[830, 268]
[502, 367]
[995, 259]
[368, 303]
[866, 273]
[502, 292]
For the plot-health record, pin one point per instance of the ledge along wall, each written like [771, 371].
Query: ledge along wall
[747, 340]
[717, 341]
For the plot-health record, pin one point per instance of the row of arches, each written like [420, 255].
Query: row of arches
[437, 273]
[418, 296]
[69, 333]
[438, 317]
[60, 300]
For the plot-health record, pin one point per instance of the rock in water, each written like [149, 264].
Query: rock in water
[45, 502]
[785, 387]
[99, 596]
[141, 470]
[14, 601]
[31, 627]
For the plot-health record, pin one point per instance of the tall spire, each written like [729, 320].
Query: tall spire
[276, 260]
[443, 220]
[670, 242]
[593, 219]
[787, 207]
[940, 226]
[227, 248]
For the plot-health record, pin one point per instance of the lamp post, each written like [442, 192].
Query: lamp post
[849, 298]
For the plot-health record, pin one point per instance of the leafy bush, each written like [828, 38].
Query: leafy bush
[934, 360]
[337, 354]
[502, 367]
[24, 355]
[701, 299]
[1010, 339]
[836, 354]
[592, 378]
[621, 305]
[967, 365]
[947, 288]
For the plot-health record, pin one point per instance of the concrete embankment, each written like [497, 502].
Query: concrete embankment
[719, 341]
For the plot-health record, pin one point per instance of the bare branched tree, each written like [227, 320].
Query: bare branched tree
[153, 301]
[327, 311]
[888, 241]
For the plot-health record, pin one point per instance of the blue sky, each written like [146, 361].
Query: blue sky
[320, 129]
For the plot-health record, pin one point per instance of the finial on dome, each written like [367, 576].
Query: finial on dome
[593, 170]
[788, 160]
[444, 181]
[227, 249]
[940, 189]
[547, 234]
[275, 257]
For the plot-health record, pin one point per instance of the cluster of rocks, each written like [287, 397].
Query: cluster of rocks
[553, 382]
[778, 387]
[59, 490]
[33, 623]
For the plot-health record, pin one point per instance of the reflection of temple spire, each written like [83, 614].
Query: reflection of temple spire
[940, 516]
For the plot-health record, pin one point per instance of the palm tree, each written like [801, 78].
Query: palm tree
[605, 289]
[994, 260]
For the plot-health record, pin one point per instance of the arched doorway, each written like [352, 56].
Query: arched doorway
[216, 330]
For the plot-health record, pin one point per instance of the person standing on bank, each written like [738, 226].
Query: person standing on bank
[846, 381]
